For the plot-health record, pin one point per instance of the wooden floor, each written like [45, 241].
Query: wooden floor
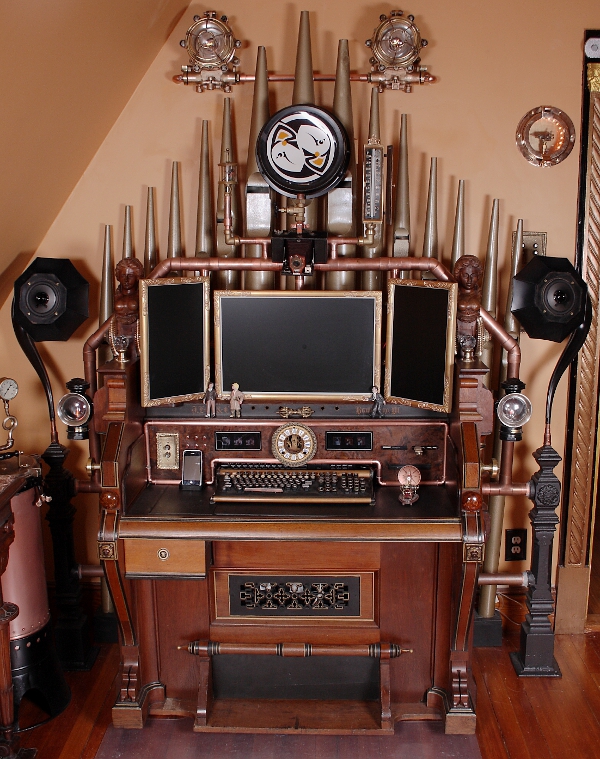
[522, 718]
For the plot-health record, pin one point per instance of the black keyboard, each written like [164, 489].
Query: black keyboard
[269, 483]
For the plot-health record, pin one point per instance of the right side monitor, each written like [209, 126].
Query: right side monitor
[420, 344]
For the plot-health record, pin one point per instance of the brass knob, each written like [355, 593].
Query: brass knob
[92, 467]
[493, 468]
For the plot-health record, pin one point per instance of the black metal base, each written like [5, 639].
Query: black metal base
[487, 631]
[106, 629]
[36, 670]
[73, 647]
[530, 670]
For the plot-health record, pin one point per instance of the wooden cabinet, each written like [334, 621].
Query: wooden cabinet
[329, 618]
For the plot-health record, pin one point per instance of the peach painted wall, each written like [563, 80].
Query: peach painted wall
[494, 61]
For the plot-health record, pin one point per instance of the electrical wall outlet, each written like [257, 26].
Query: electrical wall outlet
[515, 545]
[167, 450]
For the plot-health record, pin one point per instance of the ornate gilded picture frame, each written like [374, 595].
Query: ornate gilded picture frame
[174, 339]
[305, 346]
[420, 344]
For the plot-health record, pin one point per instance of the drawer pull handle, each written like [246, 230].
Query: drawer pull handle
[163, 554]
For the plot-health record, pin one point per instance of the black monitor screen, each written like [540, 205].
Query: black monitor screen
[175, 351]
[420, 343]
[298, 345]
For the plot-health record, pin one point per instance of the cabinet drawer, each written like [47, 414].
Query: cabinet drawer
[154, 557]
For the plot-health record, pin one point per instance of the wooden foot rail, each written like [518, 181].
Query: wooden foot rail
[374, 650]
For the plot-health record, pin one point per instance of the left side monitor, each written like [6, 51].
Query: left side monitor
[174, 339]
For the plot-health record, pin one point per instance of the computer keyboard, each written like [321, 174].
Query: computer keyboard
[269, 483]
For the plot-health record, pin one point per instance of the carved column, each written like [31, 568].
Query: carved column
[536, 655]
[580, 482]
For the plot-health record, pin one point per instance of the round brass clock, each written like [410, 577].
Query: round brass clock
[294, 444]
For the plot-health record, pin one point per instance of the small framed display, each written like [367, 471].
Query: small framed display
[305, 345]
[174, 339]
[421, 336]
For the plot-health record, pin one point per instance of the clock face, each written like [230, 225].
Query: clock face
[302, 149]
[294, 444]
[8, 389]
[409, 476]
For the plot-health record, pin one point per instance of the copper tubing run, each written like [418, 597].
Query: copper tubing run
[515, 488]
[89, 570]
[89, 370]
[234, 78]
[374, 650]
[523, 579]
[345, 264]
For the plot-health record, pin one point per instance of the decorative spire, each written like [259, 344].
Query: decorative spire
[458, 243]
[304, 86]
[430, 238]
[151, 246]
[205, 217]
[174, 249]
[402, 211]
[127, 236]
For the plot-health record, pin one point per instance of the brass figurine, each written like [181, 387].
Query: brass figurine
[210, 399]
[469, 275]
[124, 325]
[235, 401]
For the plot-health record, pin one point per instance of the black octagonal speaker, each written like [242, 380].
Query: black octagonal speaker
[51, 299]
[549, 298]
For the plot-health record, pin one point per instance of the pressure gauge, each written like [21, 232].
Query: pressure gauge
[409, 478]
[210, 42]
[396, 42]
[373, 184]
[8, 389]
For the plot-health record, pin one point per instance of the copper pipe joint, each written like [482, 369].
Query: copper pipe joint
[522, 579]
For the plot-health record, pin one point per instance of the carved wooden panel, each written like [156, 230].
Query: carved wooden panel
[582, 485]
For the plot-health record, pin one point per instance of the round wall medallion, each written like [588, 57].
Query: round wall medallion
[294, 444]
[302, 149]
[545, 136]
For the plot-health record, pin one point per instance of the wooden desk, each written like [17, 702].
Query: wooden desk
[390, 641]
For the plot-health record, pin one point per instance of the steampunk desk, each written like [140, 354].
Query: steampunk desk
[325, 616]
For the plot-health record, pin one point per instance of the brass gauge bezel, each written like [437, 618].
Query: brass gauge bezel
[547, 153]
[294, 444]
[210, 42]
[396, 42]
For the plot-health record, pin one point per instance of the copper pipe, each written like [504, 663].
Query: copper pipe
[89, 368]
[506, 461]
[510, 345]
[189, 78]
[356, 264]
[89, 570]
[504, 578]
[515, 488]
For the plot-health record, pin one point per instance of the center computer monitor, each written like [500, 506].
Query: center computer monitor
[298, 345]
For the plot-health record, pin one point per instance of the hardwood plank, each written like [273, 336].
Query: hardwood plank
[516, 719]
[488, 733]
[569, 727]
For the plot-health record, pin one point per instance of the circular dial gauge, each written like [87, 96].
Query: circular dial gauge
[8, 388]
[302, 149]
[294, 444]
[210, 42]
[409, 476]
[396, 42]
